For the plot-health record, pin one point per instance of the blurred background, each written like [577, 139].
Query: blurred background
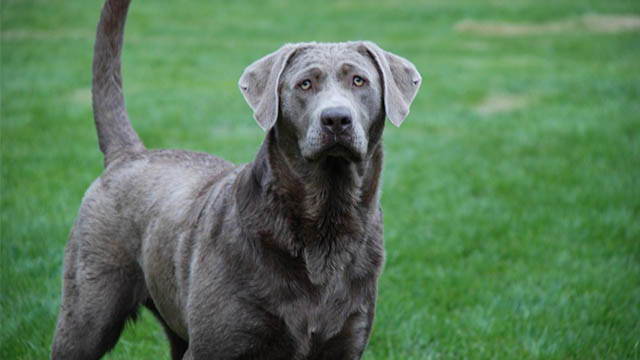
[511, 193]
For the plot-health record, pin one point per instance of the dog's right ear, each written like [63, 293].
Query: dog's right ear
[259, 85]
[400, 78]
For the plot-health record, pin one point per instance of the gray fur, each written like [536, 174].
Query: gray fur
[274, 259]
[115, 133]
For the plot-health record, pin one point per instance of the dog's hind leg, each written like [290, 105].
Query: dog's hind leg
[178, 345]
[98, 297]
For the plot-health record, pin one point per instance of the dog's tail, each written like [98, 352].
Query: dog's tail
[115, 133]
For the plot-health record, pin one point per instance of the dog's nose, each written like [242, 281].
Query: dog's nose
[336, 120]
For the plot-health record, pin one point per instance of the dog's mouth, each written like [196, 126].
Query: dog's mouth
[341, 151]
[337, 148]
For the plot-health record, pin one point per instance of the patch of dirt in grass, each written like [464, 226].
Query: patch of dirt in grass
[508, 29]
[611, 23]
[590, 22]
[501, 103]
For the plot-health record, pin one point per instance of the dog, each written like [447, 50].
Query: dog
[275, 259]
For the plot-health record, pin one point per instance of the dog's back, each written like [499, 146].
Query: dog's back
[159, 181]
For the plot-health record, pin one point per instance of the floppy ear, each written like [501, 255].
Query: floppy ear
[400, 80]
[259, 85]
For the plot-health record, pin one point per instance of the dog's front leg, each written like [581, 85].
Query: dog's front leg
[350, 343]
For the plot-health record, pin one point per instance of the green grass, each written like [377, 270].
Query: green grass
[511, 233]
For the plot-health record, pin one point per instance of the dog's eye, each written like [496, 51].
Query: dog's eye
[358, 81]
[305, 85]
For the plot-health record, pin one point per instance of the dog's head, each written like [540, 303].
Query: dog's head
[330, 96]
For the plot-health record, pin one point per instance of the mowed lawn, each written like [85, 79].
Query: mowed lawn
[511, 193]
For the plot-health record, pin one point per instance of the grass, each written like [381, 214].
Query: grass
[511, 193]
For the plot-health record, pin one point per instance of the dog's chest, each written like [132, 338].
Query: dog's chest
[313, 320]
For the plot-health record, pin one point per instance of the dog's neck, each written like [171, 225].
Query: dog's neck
[308, 209]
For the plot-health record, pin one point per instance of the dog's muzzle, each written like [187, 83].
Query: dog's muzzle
[336, 120]
[338, 134]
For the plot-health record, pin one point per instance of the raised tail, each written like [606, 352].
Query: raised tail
[115, 133]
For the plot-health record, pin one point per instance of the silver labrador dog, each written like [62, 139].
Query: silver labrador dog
[275, 259]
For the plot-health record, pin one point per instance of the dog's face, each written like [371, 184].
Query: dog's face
[330, 94]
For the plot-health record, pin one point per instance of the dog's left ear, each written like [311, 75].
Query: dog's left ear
[400, 79]
[259, 85]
